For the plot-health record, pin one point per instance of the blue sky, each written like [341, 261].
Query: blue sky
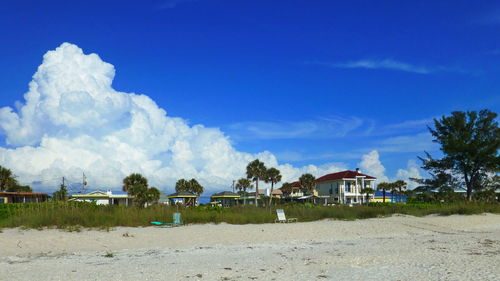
[312, 82]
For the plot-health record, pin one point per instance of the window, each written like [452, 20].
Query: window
[347, 187]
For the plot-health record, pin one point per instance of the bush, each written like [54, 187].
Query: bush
[73, 216]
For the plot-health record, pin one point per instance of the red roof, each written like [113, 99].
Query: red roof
[295, 184]
[348, 174]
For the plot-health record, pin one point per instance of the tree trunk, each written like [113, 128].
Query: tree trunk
[468, 184]
[256, 190]
[271, 194]
[383, 195]
[244, 196]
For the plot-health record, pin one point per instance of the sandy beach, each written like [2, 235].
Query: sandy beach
[394, 248]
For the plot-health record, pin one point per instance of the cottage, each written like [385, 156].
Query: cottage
[183, 198]
[103, 198]
[225, 198]
[22, 197]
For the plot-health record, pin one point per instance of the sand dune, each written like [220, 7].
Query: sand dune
[395, 248]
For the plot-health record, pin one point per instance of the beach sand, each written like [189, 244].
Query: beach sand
[394, 248]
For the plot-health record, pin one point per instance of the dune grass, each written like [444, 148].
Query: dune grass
[72, 216]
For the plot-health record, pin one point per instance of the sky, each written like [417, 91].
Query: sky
[198, 88]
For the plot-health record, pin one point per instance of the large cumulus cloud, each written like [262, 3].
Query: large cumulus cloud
[72, 120]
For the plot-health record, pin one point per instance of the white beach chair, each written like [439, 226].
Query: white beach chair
[282, 218]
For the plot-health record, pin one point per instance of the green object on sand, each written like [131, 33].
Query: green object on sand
[176, 221]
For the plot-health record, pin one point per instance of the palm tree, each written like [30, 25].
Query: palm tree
[256, 171]
[243, 184]
[308, 182]
[273, 176]
[400, 186]
[367, 191]
[383, 186]
[195, 187]
[182, 185]
[134, 179]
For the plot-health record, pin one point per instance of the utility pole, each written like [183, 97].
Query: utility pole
[233, 185]
[84, 183]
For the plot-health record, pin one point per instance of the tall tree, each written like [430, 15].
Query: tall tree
[256, 171]
[384, 186]
[134, 179]
[182, 185]
[244, 184]
[196, 187]
[136, 185]
[367, 191]
[308, 182]
[470, 142]
[399, 185]
[273, 176]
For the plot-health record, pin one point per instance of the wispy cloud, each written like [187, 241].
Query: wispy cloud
[170, 4]
[320, 128]
[491, 17]
[388, 64]
[409, 143]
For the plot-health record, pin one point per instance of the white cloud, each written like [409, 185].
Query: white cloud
[72, 120]
[370, 164]
[412, 171]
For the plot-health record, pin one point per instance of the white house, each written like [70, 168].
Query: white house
[345, 187]
[103, 198]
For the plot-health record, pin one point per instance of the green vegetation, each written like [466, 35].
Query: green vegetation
[9, 183]
[192, 186]
[136, 185]
[72, 216]
[470, 142]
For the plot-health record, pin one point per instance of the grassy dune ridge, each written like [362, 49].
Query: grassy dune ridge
[72, 214]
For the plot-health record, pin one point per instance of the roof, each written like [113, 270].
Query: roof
[226, 194]
[277, 192]
[181, 194]
[295, 184]
[23, 193]
[347, 174]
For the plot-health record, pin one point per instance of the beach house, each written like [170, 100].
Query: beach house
[225, 198]
[103, 198]
[22, 197]
[344, 187]
[183, 198]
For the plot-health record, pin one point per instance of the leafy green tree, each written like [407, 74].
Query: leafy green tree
[367, 191]
[19, 188]
[307, 182]
[182, 185]
[244, 184]
[272, 176]
[470, 142]
[256, 171]
[286, 188]
[384, 186]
